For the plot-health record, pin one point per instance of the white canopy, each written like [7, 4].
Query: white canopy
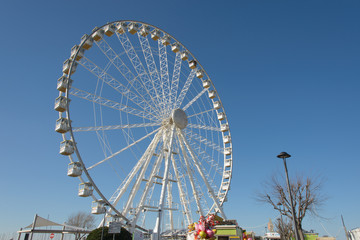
[42, 222]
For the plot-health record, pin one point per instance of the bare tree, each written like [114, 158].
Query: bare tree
[306, 194]
[82, 220]
[285, 228]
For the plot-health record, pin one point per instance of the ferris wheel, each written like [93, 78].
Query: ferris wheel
[144, 128]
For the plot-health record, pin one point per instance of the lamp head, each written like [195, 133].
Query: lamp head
[283, 155]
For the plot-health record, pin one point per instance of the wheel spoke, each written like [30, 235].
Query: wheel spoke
[191, 178]
[190, 125]
[148, 186]
[205, 157]
[144, 81]
[103, 143]
[152, 69]
[203, 112]
[164, 75]
[175, 79]
[198, 167]
[165, 180]
[109, 103]
[194, 99]
[148, 202]
[183, 197]
[204, 140]
[115, 127]
[115, 84]
[125, 184]
[125, 148]
[203, 198]
[169, 201]
[119, 64]
[147, 156]
[185, 88]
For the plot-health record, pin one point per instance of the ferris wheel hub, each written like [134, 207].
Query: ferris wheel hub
[179, 118]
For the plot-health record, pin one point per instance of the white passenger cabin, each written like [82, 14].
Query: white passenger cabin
[175, 47]
[98, 207]
[87, 43]
[222, 196]
[217, 105]
[227, 174]
[227, 139]
[228, 162]
[144, 30]
[184, 55]
[67, 147]
[206, 83]
[227, 151]
[74, 169]
[74, 49]
[133, 28]
[67, 65]
[62, 125]
[155, 34]
[62, 83]
[121, 28]
[225, 186]
[98, 34]
[223, 199]
[224, 127]
[199, 73]
[60, 104]
[165, 40]
[212, 94]
[192, 64]
[109, 30]
[85, 189]
[221, 116]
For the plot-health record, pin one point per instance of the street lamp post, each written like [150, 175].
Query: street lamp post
[285, 155]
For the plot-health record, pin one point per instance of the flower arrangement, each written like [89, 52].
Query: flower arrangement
[205, 227]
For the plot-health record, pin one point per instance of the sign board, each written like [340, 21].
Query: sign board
[115, 227]
[272, 235]
[52, 236]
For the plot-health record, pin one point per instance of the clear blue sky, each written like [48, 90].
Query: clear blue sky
[287, 72]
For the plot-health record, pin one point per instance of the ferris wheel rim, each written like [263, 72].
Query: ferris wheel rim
[71, 127]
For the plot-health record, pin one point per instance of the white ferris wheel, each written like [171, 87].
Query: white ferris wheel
[144, 128]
